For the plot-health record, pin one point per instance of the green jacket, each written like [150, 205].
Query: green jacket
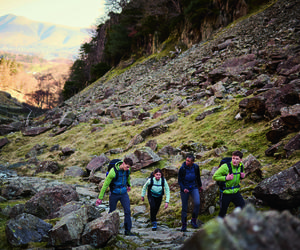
[109, 178]
[223, 171]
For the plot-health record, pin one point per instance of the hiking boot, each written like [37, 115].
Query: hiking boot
[183, 228]
[154, 226]
[194, 223]
[128, 233]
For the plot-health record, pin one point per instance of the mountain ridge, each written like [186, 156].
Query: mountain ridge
[21, 35]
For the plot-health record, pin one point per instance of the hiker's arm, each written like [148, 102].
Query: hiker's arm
[221, 173]
[128, 180]
[180, 181]
[167, 191]
[145, 188]
[106, 183]
[242, 173]
[198, 177]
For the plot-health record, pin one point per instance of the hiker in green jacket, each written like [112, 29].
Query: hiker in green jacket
[118, 179]
[156, 186]
[231, 191]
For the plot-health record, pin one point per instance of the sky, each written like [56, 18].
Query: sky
[75, 13]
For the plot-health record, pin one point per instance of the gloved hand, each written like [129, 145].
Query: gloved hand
[98, 202]
[242, 175]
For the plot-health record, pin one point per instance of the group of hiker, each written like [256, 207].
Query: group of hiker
[227, 176]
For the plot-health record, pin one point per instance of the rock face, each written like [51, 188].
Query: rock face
[248, 229]
[281, 190]
[99, 231]
[26, 228]
[68, 231]
[48, 201]
[143, 157]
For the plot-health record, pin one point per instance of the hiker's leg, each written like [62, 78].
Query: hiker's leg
[152, 207]
[113, 200]
[184, 204]
[157, 203]
[224, 204]
[196, 199]
[238, 200]
[126, 206]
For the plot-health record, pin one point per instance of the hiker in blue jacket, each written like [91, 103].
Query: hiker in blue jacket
[157, 186]
[190, 184]
[118, 179]
[230, 193]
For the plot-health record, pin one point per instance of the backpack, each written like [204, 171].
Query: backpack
[112, 164]
[151, 183]
[227, 160]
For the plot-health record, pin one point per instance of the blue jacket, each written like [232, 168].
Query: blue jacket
[188, 182]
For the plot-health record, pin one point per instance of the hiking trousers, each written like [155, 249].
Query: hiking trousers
[184, 201]
[124, 199]
[154, 203]
[225, 200]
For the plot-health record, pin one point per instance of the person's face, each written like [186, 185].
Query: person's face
[125, 166]
[157, 176]
[189, 162]
[236, 160]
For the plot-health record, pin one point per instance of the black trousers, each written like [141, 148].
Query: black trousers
[155, 203]
[225, 200]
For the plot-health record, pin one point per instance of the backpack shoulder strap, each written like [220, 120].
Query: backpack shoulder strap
[229, 167]
[116, 172]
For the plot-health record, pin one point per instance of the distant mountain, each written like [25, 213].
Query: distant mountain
[21, 35]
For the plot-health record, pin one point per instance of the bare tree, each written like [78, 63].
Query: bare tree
[116, 5]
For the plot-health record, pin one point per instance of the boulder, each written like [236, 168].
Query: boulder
[292, 145]
[291, 116]
[17, 190]
[248, 229]
[98, 232]
[46, 202]
[36, 150]
[143, 157]
[35, 131]
[252, 165]
[282, 190]
[74, 171]
[210, 190]
[97, 163]
[167, 151]
[170, 172]
[67, 119]
[3, 142]
[151, 144]
[13, 212]
[26, 228]
[47, 166]
[68, 231]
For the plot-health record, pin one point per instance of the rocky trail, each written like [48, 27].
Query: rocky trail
[164, 238]
[254, 62]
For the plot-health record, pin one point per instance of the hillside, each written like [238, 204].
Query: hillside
[32, 80]
[24, 36]
[237, 90]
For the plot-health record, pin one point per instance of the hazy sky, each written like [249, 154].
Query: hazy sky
[78, 13]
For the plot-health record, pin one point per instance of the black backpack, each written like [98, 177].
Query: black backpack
[151, 184]
[227, 160]
[112, 164]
